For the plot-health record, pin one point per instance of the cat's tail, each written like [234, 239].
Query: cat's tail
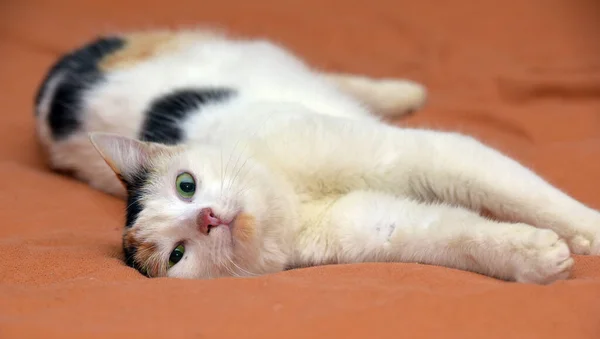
[385, 97]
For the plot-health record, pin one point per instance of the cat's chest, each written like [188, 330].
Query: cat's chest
[273, 124]
[312, 152]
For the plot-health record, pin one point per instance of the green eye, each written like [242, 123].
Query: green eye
[176, 255]
[186, 185]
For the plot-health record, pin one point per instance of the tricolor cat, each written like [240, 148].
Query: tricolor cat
[236, 158]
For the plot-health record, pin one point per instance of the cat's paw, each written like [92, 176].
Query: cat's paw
[586, 241]
[542, 258]
[581, 244]
[581, 229]
[595, 244]
[397, 97]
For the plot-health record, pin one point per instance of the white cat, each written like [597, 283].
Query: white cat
[250, 162]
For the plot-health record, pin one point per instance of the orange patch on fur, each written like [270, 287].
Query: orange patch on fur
[142, 46]
[129, 239]
[244, 227]
[146, 253]
[139, 47]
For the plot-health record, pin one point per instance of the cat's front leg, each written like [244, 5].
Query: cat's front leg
[329, 154]
[461, 170]
[366, 226]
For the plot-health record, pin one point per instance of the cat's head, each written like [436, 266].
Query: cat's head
[199, 211]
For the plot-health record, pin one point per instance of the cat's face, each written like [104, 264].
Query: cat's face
[199, 212]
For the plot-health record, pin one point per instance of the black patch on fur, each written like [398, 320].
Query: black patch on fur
[130, 253]
[134, 186]
[80, 72]
[166, 115]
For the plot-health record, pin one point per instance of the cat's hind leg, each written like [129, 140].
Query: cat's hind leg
[365, 226]
[386, 97]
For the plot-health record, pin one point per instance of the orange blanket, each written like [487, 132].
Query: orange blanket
[523, 76]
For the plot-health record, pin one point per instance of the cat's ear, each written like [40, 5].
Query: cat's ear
[126, 156]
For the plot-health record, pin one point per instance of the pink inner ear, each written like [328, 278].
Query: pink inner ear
[121, 153]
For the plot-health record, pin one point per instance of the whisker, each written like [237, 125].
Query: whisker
[222, 177]
[243, 270]
[235, 176]
[231, 154]
[247, 183]
[249, 137]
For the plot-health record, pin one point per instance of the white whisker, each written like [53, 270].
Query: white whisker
[246, 272]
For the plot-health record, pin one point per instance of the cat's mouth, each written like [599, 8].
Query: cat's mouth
[238, 233]
[222, 235]
[217, 227]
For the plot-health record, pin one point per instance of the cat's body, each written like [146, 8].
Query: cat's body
[152, 86]
[282, 166]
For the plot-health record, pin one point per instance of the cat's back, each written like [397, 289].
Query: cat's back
[111, 83]
[148, 85]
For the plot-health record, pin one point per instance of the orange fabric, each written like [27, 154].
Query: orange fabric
[522, 75]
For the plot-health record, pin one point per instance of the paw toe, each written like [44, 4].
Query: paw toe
[580, 245]
[595, 245]
[548, 260]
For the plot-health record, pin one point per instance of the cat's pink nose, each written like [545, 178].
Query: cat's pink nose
[207, 219]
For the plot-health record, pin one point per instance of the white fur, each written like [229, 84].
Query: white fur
[262, 71]
[335, 190]
[326, 158]
[326, 181]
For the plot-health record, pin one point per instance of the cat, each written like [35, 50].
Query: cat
[236, 158]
